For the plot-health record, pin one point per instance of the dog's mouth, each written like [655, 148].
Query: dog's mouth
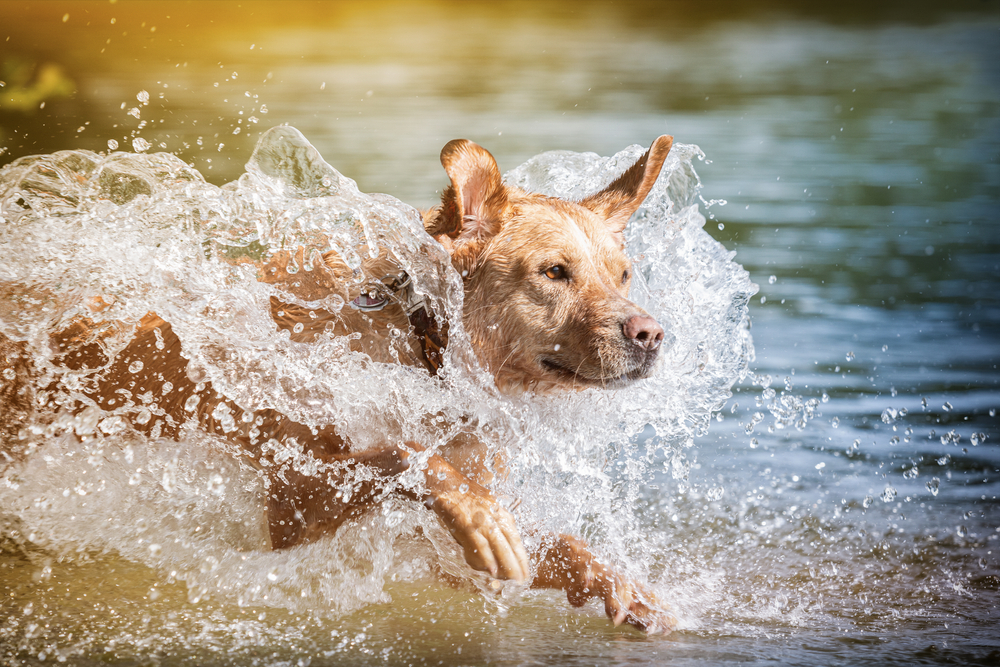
[643, 370]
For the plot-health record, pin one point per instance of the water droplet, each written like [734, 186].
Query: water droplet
[143, 416]
[142, 96]
[112, 145]
[216, 485]
[771, 280]
[977, 439]
[192, 402]
[894, 440]
[112, 424]
[140, 145]
[934, 485]
[835, 422]
[947, 407]
[237, 130]
[167, 482]
[888, 495]
[135, 367]
[911, 473]
[993, 413]
[867, 502]
[850, 356]
[753, 443]
[825, 397]
[263, 108]
[820, 465]
[962, 531]
[9, 374]
[888, 416]
[463, 488]
[715, 493]
[721, 226]
[556, 347]
[134, 111]
[950, 438]
[298, 327]
[893, 392]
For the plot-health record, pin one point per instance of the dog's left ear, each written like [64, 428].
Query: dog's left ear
[473, 206]
[617, 202]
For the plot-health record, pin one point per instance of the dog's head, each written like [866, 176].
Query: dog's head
[547, 280]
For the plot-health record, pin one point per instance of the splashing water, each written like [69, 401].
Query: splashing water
[146, 233]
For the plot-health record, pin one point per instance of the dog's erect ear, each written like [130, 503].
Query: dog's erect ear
[473, 206]
[617, 202]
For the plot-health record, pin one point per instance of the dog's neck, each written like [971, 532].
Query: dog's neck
[396, 288]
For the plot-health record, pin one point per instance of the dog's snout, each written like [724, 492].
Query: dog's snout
[644, 331]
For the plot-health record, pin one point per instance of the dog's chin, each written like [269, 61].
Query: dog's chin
[569, 378]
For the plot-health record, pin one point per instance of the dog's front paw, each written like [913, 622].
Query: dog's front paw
[625, 601]
[485, 530]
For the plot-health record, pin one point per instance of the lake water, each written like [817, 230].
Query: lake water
[859, 159]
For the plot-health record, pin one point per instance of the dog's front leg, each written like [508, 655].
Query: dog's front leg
[485, 530]
[304, 506]
[566, 564]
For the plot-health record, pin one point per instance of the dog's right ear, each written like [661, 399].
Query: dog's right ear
[617, 202]
[473, 206]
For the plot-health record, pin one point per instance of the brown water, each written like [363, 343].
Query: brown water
[858, 152]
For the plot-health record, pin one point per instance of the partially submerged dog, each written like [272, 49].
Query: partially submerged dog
[546, 307]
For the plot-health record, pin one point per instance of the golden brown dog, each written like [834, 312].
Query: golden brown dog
[546, 306]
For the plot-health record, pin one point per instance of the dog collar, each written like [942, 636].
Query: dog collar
[398, 288]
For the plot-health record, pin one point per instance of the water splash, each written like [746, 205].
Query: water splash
[145, 232]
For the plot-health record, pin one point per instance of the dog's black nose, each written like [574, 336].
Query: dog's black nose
[643, 331]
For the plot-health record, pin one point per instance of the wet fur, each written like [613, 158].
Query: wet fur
[530, 330]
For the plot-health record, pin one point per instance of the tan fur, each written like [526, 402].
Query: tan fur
[546, 306]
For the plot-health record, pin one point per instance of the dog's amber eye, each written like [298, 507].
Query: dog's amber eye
[557, 272]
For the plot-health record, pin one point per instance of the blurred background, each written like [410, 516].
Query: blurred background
[856, 146]
[877, 119]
